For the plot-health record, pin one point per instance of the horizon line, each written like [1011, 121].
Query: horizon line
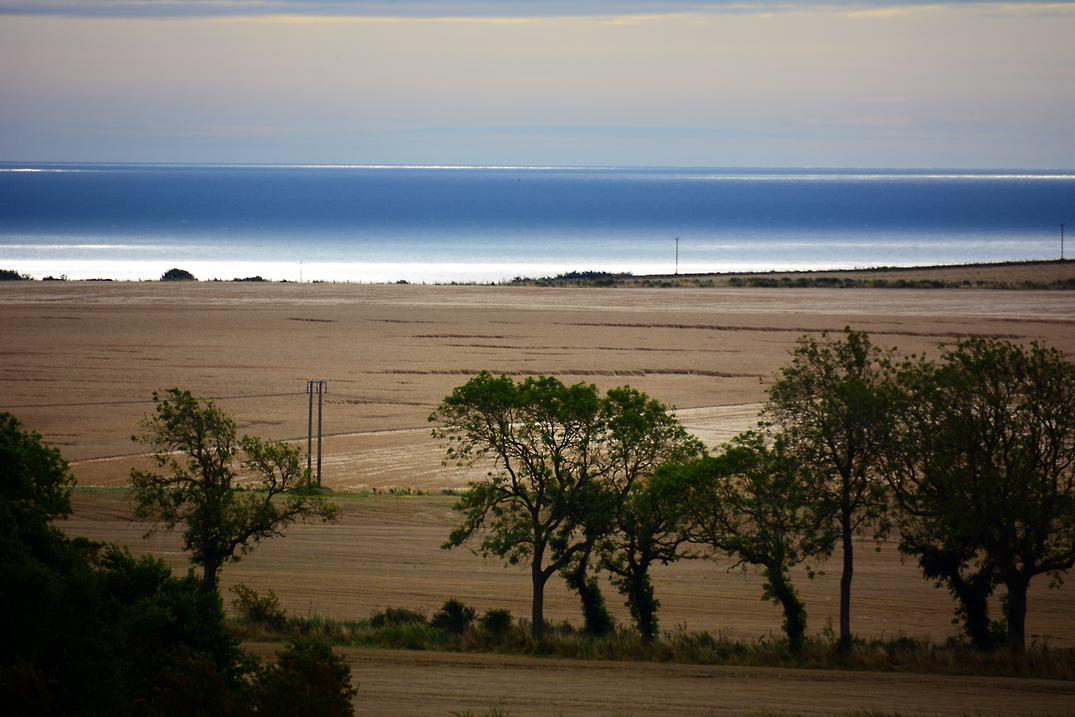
[939, 172]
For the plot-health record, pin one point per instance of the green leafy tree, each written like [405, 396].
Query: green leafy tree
[93, 626]
[833, 408]
[35, 486]
[560, 456]
[221, 519]
[539, 435]
[642, 436]
[308, 680]
[987, 471]
[954, 559]
[754, 502]
[625, 523]
[597, 619]
[958, 563]
[93, 630]
[646, 532]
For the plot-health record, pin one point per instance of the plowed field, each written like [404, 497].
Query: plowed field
[80, 361]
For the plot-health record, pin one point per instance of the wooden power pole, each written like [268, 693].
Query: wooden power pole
[320, 388]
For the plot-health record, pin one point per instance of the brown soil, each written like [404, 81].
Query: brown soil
[424, 683]
[80, 361]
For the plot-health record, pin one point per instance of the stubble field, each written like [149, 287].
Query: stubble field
[80, 362]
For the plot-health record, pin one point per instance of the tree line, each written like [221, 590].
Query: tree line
[968, 460]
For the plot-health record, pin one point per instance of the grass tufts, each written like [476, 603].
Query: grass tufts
[402, 629]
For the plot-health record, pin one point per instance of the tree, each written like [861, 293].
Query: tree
[954, 559]
[91, 629]
[646, 532]
[221, 519]
[92, 626]
[308, 680]
[639, 529]
[558, 454]
[833, 407]
[754, 502]
[35, 486]
[960, 564]
[178, 275]
[987, 467]
[538, 435]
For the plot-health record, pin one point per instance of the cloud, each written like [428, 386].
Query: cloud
[967, 85]
[459, 8]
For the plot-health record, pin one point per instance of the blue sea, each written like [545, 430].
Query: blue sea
[482, 224]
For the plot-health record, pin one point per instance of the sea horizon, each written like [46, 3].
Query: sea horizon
[481, 224]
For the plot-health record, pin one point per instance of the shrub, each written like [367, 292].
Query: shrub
[494, 711]
[192, 684]
[177, 275]
[454, 616]
[496, 621]
[256, 610]
[308, 680]
[397, 616]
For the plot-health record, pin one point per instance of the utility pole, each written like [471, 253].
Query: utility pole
[1061, 241]
[320, 388]
[677, 256]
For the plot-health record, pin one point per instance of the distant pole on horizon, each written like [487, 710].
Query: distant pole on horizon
[677, 256]
[1061, 241]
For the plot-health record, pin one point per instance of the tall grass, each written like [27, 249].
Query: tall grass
[564, 641]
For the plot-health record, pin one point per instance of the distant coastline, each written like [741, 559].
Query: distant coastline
[1014, 275]
[1027, 275]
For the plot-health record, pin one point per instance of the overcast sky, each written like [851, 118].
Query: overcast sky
[524, 82]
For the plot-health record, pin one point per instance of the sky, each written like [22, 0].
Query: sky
[985, 85]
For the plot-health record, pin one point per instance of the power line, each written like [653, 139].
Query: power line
[145, 401]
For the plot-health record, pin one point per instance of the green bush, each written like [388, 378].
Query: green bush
[192, 684]
[256, 610]
[454, 616]
[496, 621]
[397, 616]
[177, 275]
[308, 680]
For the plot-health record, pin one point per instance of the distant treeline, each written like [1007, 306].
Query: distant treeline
[807, 280]
[11, 275]
[835, 282]
[577, 278]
